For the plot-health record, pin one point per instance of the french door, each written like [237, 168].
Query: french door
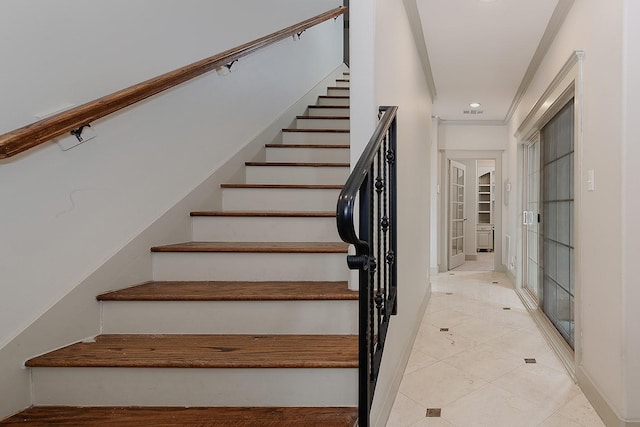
[457, 172]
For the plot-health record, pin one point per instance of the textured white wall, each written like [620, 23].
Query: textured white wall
[400, 81]
[63, 214]
[610, 339]
[472, 137]
[631, 208]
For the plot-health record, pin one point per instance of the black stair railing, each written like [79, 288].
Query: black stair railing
[372, 184]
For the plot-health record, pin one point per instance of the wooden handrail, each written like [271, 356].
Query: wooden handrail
[37, 133]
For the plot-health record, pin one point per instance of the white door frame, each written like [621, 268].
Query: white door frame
[443, 211]
[566, 85]
[526, 217]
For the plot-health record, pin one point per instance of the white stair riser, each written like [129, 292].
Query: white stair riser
[279, 199]
[296, 175]
[333, 101]
[322, 123]
[324, 112]
[249, 266]
[230, 317]
[342, 84]
[337, 92]
[194, 387]
[327, 138]
[264, 229]
[333, 155]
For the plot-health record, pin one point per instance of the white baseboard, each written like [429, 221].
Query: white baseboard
[600, 403]
[390, 396]
[597, 400]
[510, 274]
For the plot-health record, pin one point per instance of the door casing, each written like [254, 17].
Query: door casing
[500, 261]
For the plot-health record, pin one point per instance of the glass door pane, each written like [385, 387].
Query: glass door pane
[456, 214]
[531, 220]
[557, 226]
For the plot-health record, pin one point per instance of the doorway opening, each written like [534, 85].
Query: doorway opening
[479, 216]
[472, 215]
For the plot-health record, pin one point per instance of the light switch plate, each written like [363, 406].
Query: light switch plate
[591, 183]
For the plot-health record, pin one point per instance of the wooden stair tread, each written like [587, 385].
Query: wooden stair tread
[288, 186]
[323, 117]
[323, 146]
[343, 80]
[299, 164]
[179, 416]
[338, 88]
[233, 291]
[207, 351]
[316, 130]
[310, 214]
[334, 96]
[255, 247]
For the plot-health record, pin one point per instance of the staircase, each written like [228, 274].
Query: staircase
[249, 324]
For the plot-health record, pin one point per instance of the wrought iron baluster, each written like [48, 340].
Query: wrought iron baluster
[379, 299]
[385, 225]
[373, 182]
[393, 216]
[372, 269]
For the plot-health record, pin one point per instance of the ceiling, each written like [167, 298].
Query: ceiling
[485, 51]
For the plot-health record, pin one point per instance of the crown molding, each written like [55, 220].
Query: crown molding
[473, 122]
[561, 89]
[553, 27]
[411, 8]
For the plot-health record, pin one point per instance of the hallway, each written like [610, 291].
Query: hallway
[483, 262]
[468, 360]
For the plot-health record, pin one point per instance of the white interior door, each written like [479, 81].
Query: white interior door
[457, 176]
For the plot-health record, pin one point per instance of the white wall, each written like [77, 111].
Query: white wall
[485, 166]
[609, 333]
[435, 196]
[455, 136]
[631, 206]
[399, 80]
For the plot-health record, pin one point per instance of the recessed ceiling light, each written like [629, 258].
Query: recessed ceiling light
[474, 105]
[487, 1]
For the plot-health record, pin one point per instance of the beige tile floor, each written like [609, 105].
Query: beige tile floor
[475, 372]
[483, 262]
